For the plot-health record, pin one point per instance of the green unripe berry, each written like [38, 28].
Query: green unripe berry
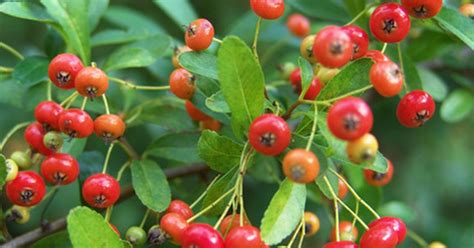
[136, 235]
[22, 159]
[53, 140]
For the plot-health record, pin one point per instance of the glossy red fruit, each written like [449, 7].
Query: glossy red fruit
[34, 135]
[379, 179]
[195, 113]
[341, 244]
[27, 189]
[268, 9]
[201, 236]
[109, 127]
[346, 232]
[174, 225]
[101, 190]
[295, 79]
[423, 8]
[332, 47]
[47, 113]
[230, 222]
[244, 236]
[342, 189]
[269, 134]
[181, 208]
[182, 84]
[415, 108]
[60, 168]
[210, 124]
[395, 223]
[314, 89]
[92, 82]
[379, 236]
[76, 123]
[199, 34]
[390, 23]
[298, 25]
[63, 69]
[387, 78]
[350, 118]
[360, 40]
[377, 56]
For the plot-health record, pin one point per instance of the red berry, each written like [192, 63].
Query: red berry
[27, 189]
[76, 123]
[47, 113]
[201, 236]
[423, 8]
[360, 40]
[301, 166]
[376, 56]
[210, 124]
[60, 168]
[195, 113]
[101, 190]
[390, 23]
[199, 34]
[298, 25]
[182, 84]
[268, 9]
[181, 208]
[332, 47]
[244, 236]
[395, 223]
[387, 78]
[63, 69]
[341, 244]
[379, 236]
[342, 189]
[92, 82]
[415, 108]
[379, 179]
[269, 134]
[176, 53]
[346, 232]
[350, 118]
[109, 127]
[230, 222]
[34, 135]
[314, 89]
[295, 79]
[174, 225]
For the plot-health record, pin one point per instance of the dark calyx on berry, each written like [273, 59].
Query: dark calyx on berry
[336, 48]
[268, 139]
[298, 172]
[389, 25]
[156, 236]
[378, 176]
[422, 117]
[420, 11]
[100, 199]
[91, 92]
[27, 195]
[63, 77]
[351, 122]
[59, 177]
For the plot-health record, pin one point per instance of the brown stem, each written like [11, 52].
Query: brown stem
[288, 113]
[60, 224]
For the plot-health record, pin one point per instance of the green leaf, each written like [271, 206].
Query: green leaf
[399, 210]
[88, 228]
[457, 106]
[26, 10]
[75, 147]
[206, 88]
[266, 169]
[31, 70]
[219, 152]
[139, 54]
[373, 197]
[458, 24]
[329, 10]
[90, 162]
[284, 212]
[242, 83]
[72, 16]
[3, 170]
[180, 147]
[221, 186]
[60, 239]
[412, 78]
[116, 36]
[181, 11]
[352, 77]
[202, 63]
[132, 19]
[217, 103]
[433, 84]
[150, 185]
[355, 6]
[15, 91]
[96, 8]
[306, 75]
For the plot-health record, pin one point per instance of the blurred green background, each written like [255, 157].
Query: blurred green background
[432, 186]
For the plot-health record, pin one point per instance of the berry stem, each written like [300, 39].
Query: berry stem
[217, 40]
[313, 128]
[128, 148]
[70, 98]
[210, 206]
[84, 103]
[52, 193]
[303, 231]
[49, 93]
[108, 213]
[417, 238]
[107, 158]
[336, 209]
[145, 217]
[221, 218]
[255, 39]
[12, 132]
[137, 87]
[356, 212]
[122, 170]
[293, 238]
[204, 193]
[6, 69]
[106, 104]
[385, 45]
[358, 16]
[400, 60]
[11, 50]
[358, 198]
[290, 110]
